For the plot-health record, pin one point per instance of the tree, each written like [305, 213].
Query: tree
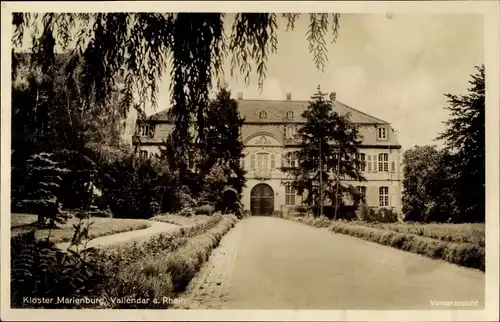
[48, 116]
[222, 148]
[45, 176]
[330, 140]
[428, 190]
[464, 138]
[144, 43]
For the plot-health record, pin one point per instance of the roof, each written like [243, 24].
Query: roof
[277, 112]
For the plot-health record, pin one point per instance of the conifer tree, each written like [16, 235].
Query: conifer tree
[331, 140]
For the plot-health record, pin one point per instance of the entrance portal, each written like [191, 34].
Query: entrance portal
[262, 200]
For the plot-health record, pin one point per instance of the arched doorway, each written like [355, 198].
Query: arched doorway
[262, 200]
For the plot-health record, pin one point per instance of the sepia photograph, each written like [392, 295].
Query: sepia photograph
[210, 158]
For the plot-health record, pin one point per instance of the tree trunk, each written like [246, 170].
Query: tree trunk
[320, 181]
[337, 188]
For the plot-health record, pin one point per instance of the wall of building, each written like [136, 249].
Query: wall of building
[269, 138]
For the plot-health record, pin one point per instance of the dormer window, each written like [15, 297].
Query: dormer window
[263, 115]
[289, 115]
[382, 133]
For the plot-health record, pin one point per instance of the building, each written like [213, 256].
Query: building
[268, 135]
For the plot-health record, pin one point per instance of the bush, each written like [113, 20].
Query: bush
[386, 215]
[247, 213]
[464, 254]
[131, 187]
[277, 213]
[204, 210]
[39, 269]
[169, 263]
[343, 212]
[364, 213]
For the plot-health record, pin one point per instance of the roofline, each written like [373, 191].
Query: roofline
[278, 122]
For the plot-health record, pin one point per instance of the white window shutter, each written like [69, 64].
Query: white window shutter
[393, 162]
[370, 196]
[392, 196]
[368, 163]
[375, 163]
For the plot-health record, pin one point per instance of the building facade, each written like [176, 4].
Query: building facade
[269, 134]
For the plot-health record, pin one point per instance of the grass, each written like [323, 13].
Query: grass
[457, 233]
[168, 263]
[21, 223]
[182, 220]
[438, 241]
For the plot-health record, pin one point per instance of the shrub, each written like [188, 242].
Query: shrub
[169, 263]
[39, 269]
[204, 210]
[343, 212]
[186, 212]
[247, 213]
[364, 213]
[464, 254]
[386, 215]
[44, 178]
[277, 213]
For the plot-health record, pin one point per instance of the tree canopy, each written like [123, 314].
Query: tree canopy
[339, 141]
[464, 139]
[194, 45]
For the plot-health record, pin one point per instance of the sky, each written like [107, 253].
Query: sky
[396, 68]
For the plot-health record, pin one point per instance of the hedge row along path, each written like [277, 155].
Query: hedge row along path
[272, 263]
[129, 236]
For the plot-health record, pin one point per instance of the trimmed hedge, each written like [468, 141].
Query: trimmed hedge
[464, 254]
[204, 210]
[165, 272]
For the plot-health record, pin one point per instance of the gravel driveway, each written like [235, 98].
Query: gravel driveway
[271, 263]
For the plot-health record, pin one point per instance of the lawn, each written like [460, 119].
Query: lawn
[461, 244]
[457, 233]
[182, 220]
[101, 227]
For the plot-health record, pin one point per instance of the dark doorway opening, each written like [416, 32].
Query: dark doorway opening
[262, 200]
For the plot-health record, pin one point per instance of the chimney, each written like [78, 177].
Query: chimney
[240, 96]
[333, 96]
[288, 96]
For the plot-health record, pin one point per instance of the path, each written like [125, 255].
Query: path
[271, 263]
[129, 236]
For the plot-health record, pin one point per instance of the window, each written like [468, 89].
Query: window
[289, 195]
[263, 115]
[289, 131]
[252, 161]
[382, 133]
[273, 161]
[362, 191]
[289, 115]
[383, 196]
[290, 160]
[143, 154]
[383, 162]
[362, 165]
[262, 161]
